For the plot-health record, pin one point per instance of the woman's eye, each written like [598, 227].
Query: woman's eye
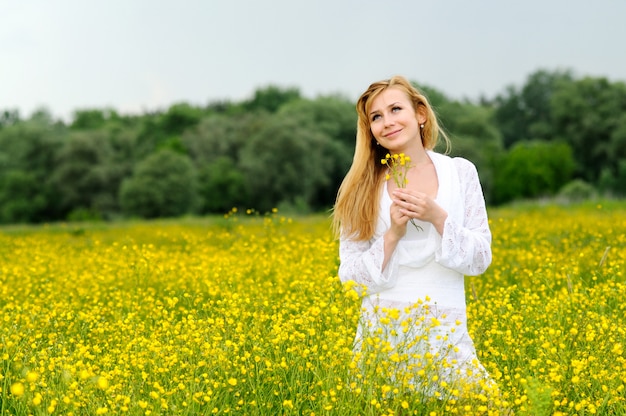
[375, 117]
[396, 109]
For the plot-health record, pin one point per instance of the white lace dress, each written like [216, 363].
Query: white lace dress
[416, 306]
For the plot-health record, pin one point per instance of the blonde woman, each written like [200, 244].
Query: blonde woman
[408, 245]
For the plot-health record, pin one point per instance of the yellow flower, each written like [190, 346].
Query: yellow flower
[17, 389]
[399, 166]
[232, 381]
[102, 383]
[31, 376]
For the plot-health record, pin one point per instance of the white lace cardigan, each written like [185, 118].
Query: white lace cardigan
[464, 247]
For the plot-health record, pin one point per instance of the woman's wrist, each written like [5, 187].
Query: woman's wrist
[391, 238]
[440, 222]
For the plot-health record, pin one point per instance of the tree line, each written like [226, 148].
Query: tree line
[557, 133]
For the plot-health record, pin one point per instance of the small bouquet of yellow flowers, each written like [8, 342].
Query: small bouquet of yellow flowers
[399, 165]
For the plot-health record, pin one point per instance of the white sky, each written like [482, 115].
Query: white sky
[140, 55]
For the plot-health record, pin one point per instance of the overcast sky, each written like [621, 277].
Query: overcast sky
[140, 55]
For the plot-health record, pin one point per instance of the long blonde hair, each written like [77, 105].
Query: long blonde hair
[356, 209]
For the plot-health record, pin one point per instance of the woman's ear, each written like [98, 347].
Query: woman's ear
[421, 114]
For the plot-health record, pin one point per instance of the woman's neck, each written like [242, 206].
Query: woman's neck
[418, 156]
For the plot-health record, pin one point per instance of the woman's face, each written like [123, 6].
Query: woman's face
[394, 122]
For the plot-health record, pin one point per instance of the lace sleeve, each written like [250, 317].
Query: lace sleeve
[361, 262]
[466, 247]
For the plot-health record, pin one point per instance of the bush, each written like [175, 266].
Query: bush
[614, 183]
[576, 191]
[531, 170]
[22, 197]
[221, 187]
[163, 185]
[84, 214]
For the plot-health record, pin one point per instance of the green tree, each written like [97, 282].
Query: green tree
[27, 160]
[225, 107]
[271, 98]
[151, 136]
[436, 98]
[9, 118]
[21, 197]
[589, 115]
[284, 163]
[332, 115]
[617, 167]
[178, 118]
[219, 136]
[162, 185]
[91, 119]
[526, 114]
[335, 118]
[215, 146]
[160, 130]
[84, 177]
[222, 186]
[532, 169]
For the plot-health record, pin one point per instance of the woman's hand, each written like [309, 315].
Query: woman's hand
[398, 222]
[418, 205]
[395, 232]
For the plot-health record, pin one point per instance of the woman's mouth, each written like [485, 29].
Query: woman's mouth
[393, 133]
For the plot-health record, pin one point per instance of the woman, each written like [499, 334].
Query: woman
[412, 276]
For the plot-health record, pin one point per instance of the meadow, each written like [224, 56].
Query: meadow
[245, 315]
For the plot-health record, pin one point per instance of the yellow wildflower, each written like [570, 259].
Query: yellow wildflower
[17, 389]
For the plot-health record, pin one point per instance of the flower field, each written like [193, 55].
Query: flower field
[245, 316]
